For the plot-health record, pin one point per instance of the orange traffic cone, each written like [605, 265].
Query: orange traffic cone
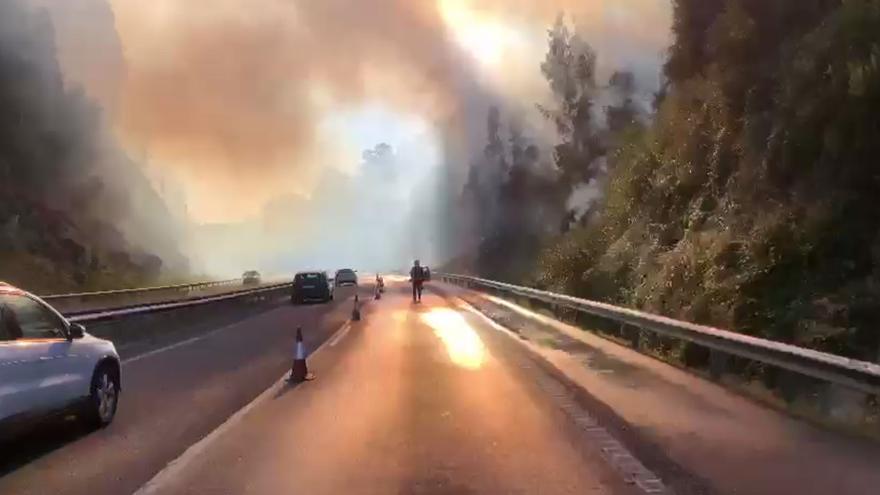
[299, 372]
[356, 311]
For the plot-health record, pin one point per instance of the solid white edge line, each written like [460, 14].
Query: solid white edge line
[494, 324]
[172, 469]
[641, 472]
[340, 334]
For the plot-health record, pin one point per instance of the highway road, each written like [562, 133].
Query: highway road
[172, 397]
[409, 400]
[430, 398]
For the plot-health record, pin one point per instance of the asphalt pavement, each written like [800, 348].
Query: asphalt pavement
[172, 397]
[412, 399]
[430, 398]
[698, 436]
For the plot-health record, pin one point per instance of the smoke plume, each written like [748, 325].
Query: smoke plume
[225, 100]
[72, 203]
[230, 93]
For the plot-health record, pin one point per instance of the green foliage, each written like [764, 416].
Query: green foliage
[511, 200]
[624, 113]
[570, 69]
[750, 202]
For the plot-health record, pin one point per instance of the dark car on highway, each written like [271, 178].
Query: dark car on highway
[346, 276]
[250, 277]
[311, 286]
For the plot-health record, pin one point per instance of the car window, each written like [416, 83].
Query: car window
[32, 319]
[9, 329]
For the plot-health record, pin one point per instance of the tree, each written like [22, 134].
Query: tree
[570, 69]
[691, 21]
[623, 113]
[750, 201]
[517, 144]
[494, 151]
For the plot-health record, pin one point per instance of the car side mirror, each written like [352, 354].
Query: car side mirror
[76, 331]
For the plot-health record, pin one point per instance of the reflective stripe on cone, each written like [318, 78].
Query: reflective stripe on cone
[299, 371]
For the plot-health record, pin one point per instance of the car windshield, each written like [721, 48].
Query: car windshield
[602, 246]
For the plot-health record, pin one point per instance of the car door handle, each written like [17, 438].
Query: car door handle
[50, 358]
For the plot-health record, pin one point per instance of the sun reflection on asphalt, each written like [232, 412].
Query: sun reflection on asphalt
[462, 343]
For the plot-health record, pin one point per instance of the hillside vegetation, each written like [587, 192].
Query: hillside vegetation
[75, 212]
[750, 201]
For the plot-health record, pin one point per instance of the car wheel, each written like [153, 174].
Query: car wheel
[104, 397]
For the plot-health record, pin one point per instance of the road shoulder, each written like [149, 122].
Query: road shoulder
[697, 435]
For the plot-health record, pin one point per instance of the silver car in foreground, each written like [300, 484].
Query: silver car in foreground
[51, 367]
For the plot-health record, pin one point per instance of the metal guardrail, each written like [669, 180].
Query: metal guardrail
[165, 306]
[196, 285]
[850, 373]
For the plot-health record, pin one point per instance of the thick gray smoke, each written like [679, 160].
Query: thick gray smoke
[70, 196]
[225, 103]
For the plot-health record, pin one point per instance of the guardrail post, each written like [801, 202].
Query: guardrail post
[843, 405]
[631, 334]
[790, 385]
[718, 362]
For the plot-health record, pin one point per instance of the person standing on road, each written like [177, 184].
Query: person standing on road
[417, 277]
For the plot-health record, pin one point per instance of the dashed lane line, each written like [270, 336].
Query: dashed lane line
[339, 335]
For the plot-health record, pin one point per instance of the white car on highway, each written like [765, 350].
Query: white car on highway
[50, 366]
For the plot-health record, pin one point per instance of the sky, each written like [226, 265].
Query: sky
[233, 106]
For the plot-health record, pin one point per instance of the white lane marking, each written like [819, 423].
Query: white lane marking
[340, 334]
[157, 483]
[494, 324]
[175, 467]
[182, 343]
[175, 345]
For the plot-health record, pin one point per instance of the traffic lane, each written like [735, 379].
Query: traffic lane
[409, 401]
[170, 400]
